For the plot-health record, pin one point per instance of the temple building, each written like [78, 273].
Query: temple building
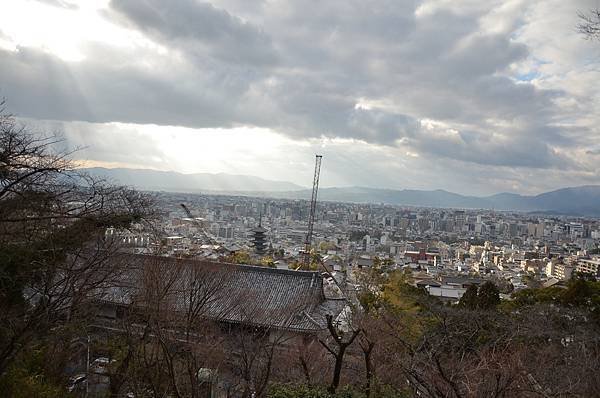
[259, 238]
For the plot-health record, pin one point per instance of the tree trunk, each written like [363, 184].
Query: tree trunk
[368, 369]
[305, 370]
[337, 370]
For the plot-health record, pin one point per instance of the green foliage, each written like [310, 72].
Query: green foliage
[369, 301]
[469, 300]
[27, 378]
[314, 265]
[14, 279]
[298, 391]
[583, 294]
[267, 261]
[304, 391]
[531, 281]
[315, 260]
[324, 246]
[584, 275]
[400, 295]
[371, 283]
[503, 285]
[240, 257]
[579, 293]
[549, 295]
[486, 297]
[408, 304]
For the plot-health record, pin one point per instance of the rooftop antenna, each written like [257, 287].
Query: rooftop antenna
[311, 215]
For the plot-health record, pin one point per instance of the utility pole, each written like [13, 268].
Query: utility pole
[313, 209]
[87, 368]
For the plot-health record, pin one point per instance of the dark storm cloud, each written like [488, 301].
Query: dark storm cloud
[198, 28]
[40, 85]
[518, 150]
[349, 69]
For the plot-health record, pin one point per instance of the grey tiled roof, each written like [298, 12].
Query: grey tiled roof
[232, 293]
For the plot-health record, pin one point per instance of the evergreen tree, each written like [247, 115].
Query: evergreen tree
[488, 296]
[577, 294]
[469, 300]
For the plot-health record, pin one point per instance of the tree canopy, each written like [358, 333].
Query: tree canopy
[54, 252]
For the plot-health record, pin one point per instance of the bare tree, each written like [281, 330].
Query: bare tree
[589, 24]
[262, 338]
[253, 353]
[53, 248]
[312, 363]
[169, 329]
[367, 343]
[184, 319]
[337, 347]
[473, 353]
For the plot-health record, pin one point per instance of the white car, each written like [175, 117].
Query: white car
[77, 382]
[100, 365]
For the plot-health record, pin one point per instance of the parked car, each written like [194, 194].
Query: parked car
[77, 382]
[100, 365]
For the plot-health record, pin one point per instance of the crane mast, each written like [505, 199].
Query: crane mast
[313, 209]
[205, 235]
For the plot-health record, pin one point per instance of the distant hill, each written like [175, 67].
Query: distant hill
[577, 200]
[584, 200]
[154, 180]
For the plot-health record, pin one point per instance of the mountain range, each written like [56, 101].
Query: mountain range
[583, 200]
[154, 180]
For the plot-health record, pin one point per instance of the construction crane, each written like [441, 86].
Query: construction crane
[313, 209]
[206, 237]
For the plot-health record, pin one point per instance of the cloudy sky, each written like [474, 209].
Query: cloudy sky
[472, 96]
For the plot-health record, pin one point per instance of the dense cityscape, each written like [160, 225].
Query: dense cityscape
[443, 248]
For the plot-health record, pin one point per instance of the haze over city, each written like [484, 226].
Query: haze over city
[475, 97]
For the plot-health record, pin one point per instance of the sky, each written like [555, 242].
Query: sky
[475, 97]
